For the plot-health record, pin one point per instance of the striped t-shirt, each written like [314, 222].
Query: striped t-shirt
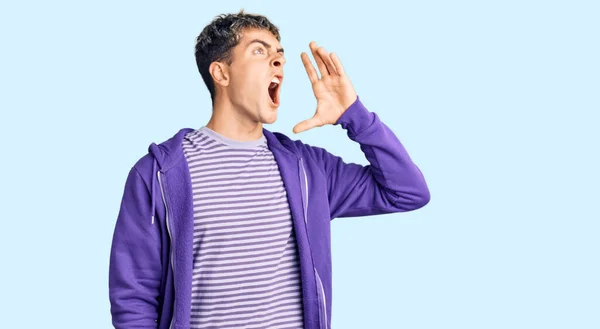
[246, 269]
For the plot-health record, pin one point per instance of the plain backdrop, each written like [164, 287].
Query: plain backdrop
[496, 101]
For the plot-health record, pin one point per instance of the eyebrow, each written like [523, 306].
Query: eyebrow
[279, 50]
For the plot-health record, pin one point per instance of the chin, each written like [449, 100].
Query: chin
[269, 117]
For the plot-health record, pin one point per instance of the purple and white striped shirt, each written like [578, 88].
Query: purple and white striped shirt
[245, 270]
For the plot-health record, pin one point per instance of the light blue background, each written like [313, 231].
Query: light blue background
[496, 102]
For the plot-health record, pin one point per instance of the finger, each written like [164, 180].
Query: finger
[310, 69]
[338, 64]
[327, 60]
[318, 59]
[306, 125]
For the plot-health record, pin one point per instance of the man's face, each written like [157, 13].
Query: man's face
[257, 61]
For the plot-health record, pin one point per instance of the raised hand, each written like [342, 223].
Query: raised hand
[333, 90]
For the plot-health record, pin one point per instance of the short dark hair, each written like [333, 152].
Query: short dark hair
[219, 37]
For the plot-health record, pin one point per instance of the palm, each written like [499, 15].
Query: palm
[327, 92]
[334, 91]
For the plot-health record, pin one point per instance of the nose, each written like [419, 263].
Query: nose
[278, 61]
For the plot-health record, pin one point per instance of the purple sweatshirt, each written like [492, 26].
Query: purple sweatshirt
[150, 272]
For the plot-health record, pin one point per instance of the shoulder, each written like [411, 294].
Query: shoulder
[143, 167]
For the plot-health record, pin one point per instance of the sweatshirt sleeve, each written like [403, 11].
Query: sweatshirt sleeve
[390, 183]
[135, 267]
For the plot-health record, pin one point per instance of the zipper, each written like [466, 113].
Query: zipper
[304, 208]
[318, 279]
[323, 296]
[162, 193]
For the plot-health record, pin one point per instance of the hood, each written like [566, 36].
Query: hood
[169, 153]
[164, 156]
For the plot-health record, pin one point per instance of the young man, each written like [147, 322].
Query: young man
[228, 225]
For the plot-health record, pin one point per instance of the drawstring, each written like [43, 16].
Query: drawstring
[152, 192]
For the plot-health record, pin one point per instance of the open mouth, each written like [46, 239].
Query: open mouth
[274, 88]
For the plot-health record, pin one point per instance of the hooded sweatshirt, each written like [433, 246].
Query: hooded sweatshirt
[151, 257]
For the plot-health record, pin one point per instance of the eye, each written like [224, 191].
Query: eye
[262, 51]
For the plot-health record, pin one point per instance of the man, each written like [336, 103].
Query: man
[228, 225]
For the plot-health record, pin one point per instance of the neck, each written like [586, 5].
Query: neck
[231, 122]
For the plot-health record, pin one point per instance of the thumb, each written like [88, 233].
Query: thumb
[307, 124]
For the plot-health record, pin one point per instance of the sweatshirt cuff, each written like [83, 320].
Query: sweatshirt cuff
[355, 118]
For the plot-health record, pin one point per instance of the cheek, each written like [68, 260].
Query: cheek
[247, 82]
[242, 80]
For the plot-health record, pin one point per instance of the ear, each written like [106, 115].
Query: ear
[220, 73]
